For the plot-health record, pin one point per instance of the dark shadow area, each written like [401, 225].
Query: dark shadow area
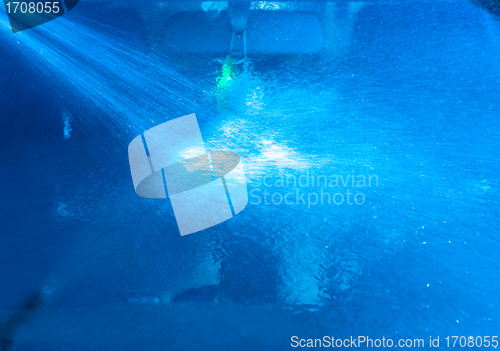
[26, 312]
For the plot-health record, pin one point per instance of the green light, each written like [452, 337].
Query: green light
[229, 70]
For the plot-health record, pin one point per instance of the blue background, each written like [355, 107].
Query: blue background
[415, 102]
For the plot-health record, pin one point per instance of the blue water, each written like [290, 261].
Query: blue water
[414, 102]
